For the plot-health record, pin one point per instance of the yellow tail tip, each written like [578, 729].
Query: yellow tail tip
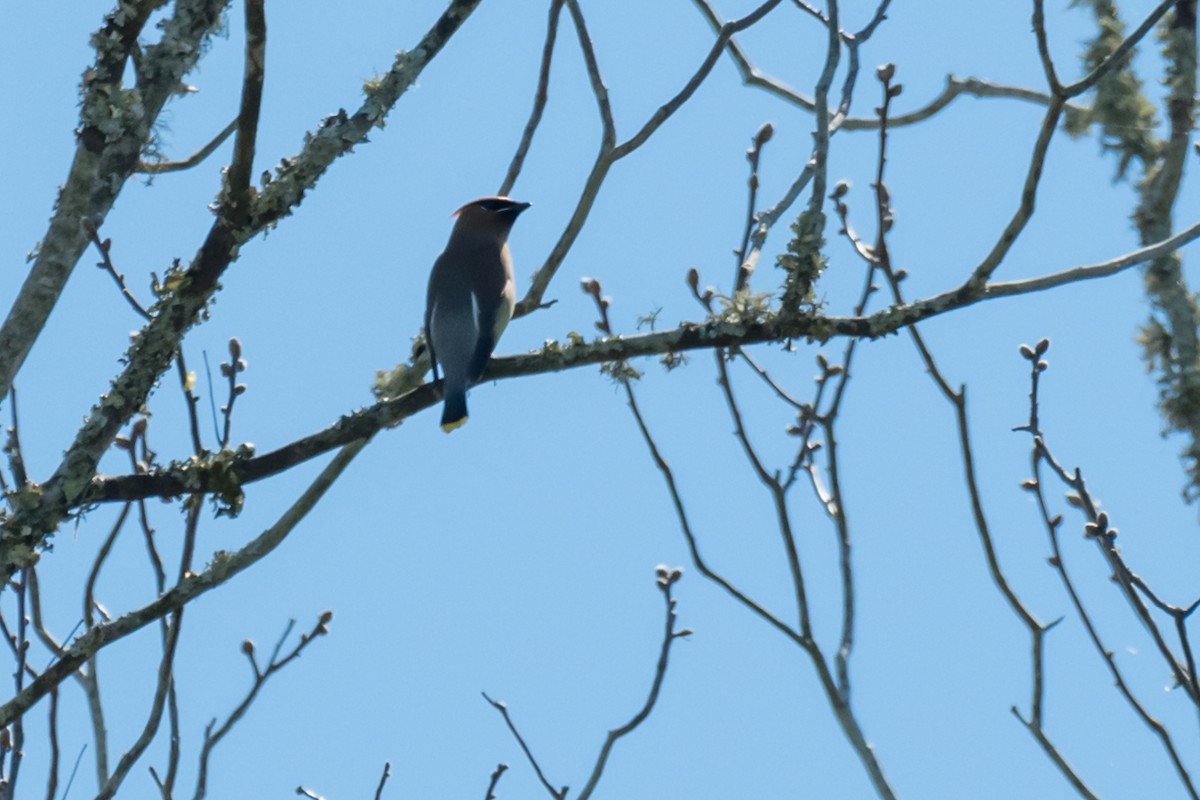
[455, 425]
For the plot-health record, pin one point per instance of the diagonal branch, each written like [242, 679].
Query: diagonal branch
[151, 354]
[238, 176]
[540, 96]
[181, 477]
[610, 153]
[115, 125]
[223, 567]
[160, 167]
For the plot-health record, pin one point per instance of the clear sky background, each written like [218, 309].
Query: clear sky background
[517, 556]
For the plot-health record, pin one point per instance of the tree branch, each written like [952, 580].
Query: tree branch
[180, 308]
[115, 124]
[223, 567]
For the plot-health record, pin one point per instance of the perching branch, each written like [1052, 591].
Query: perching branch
[193, 288]
[179, 478]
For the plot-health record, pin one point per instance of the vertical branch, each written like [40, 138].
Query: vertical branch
[1040, 455]
[778, 499]
[247, 124]
[610, 152]
[742, 277]
[540, 97]
[666, 579]
[821, 101]
[52, 735]
[187, 382]
[91, 678]
[213, 734]
[22, 652]
[165, 669]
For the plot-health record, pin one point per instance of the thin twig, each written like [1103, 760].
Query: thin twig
[1124, 577]
[983, 273]
[495, 778]
[261, 675]
[1043, 46]
[22, 648]
[599, 90]
[1118, 57]
[558, 794]
[610, 153]
[165, 671]
[52, 735]
[230, 371]
[91, 678]
[540, 96]
[1065, 768]
[822, 133]
[955, 87]
[839, 704]
[160, 167]
[1039, 456]
[16, 459]
[187, 384]
[666, 579]
[383, 779]
[107, 265]
[693, 544]
[217, 573]
[753, 155]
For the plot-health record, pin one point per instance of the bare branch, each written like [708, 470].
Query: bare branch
[114, 129]
[180, 478]
[261, 676]
[495, 778]
[1024, 213]
[107, 265]
[540, 97]
[1039, 31]
[237, 206]
[558, 794]
[608, 135]
[218, 572]
[160, 167]
[1119, 56]
[1066, 769]
[609, 154]
[1039, 455]
[157, 343]
[383, 779]
[130, 757]
[666, 579]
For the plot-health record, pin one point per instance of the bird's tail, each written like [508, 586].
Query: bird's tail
[454, 410]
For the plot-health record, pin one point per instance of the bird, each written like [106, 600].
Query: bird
[470, 299]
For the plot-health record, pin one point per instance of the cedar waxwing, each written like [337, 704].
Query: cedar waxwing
[470, 299]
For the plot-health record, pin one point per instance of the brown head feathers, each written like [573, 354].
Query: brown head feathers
[492, 206]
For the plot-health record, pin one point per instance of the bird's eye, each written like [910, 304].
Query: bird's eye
[495, 205]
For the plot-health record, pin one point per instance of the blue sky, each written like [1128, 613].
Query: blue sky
[517, 556]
